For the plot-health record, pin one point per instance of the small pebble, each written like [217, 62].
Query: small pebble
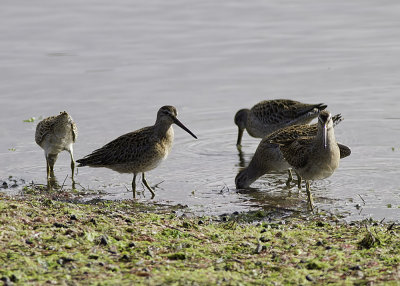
[259, 248]
[360, 274]
[103, 240]
[64, 260]
[310, 278]
[57, 224]
[149, 252]
[6, 280]
[357, 267]
[125, 258]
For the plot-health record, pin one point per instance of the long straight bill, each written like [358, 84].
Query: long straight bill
[177, 122]
[325, 134]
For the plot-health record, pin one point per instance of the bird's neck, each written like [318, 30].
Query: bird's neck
[162, 129]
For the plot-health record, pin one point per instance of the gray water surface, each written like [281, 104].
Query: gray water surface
[113, 64]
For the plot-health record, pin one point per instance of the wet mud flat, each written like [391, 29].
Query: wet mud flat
[46, 240]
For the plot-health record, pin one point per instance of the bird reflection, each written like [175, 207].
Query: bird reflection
[242, 161]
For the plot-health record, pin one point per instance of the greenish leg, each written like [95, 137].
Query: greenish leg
[72, 168]
[52, 158]
[134, 186]
[147, 186]
[310, 200]
[50, 161]
[290, 179]
[298, 180]
[48, 169]
[72, 164]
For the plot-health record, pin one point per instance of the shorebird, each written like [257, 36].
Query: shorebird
[312, 157]
[268, 156]
[269, 115]
[138, 151]
[55, 134]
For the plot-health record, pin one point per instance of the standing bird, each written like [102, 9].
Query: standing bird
[269, 115]
[55, 134]
[313, 157]
[138, 151]
[268, 156]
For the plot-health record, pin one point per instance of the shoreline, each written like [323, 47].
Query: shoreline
[46, 241]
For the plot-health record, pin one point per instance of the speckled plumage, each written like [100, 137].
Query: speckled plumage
[270, 115]
[139, 151]
[268, 156]
[313, 157]
[55, 134]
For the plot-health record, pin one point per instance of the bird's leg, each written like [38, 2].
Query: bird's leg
[52, 158]
[147, 186]
[310, 200]
[298, 180]
[290, 179]
[49, 184]
[134, 186]
[47, 169]
[71, 153]
[72, 163]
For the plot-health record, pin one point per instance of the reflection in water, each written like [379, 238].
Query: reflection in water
[274, 192]
[242, 161]
[54, 185]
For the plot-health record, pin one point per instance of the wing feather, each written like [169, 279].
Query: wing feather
[124, 149]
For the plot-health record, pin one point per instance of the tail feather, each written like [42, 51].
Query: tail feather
[344, 151]
[93, 159]
[311, 109]
[321, 106]
[337, 119]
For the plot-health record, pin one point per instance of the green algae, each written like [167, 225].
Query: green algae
[46, 241]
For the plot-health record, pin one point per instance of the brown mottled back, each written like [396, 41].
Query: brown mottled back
[282, 110]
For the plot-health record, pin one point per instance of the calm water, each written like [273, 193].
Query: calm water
[112, 64]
